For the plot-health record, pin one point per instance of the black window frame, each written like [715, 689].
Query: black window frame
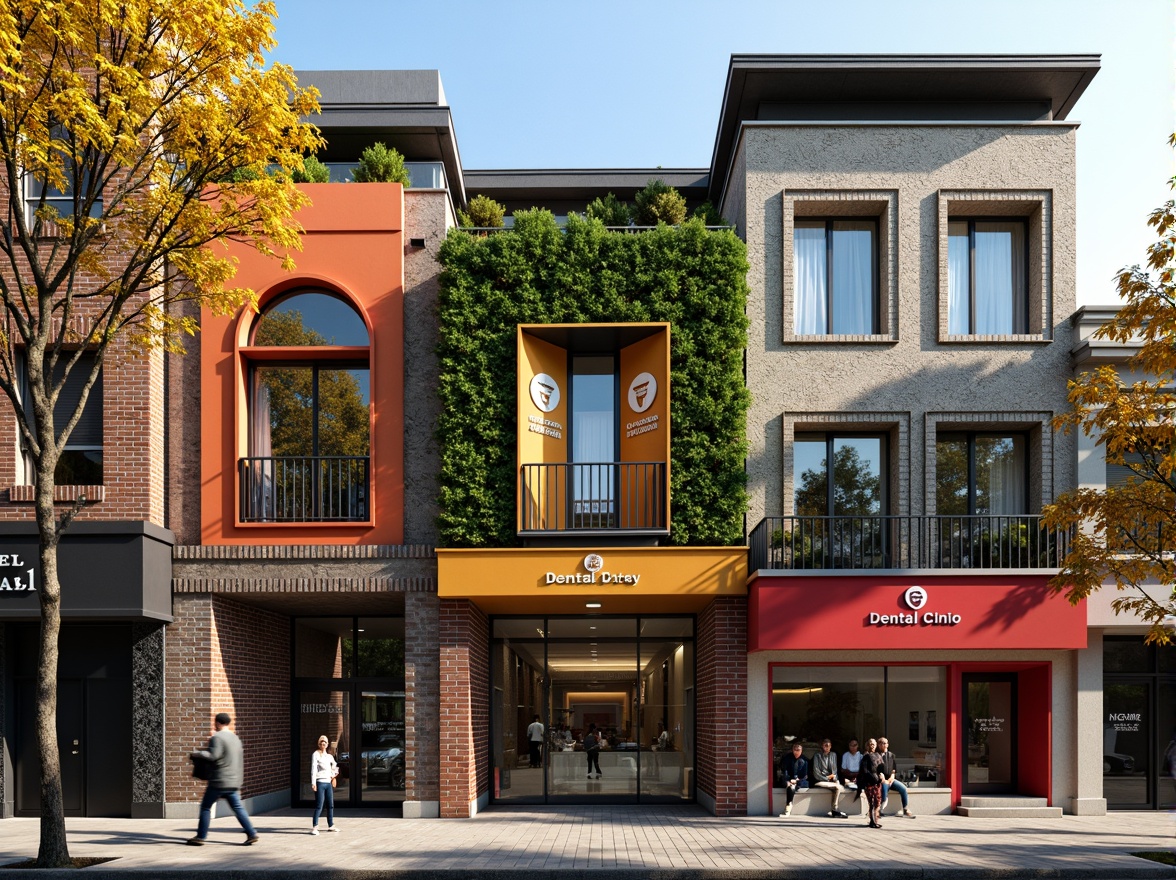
[830, 438]
[970, 437]
[875, 285]
[79, 448]
[1021, 320]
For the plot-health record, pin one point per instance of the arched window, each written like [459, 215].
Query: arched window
[309, 412]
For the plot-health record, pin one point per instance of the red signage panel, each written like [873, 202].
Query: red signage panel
[892, 612]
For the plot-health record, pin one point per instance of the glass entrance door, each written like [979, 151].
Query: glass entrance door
[990, 734]
[612, 699]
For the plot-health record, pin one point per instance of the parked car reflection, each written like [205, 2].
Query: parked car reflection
[382, 762]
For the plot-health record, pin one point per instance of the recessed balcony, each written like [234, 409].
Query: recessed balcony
[861, 543]
[593, 499]
[305, 488]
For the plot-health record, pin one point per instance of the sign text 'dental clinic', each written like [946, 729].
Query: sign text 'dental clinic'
[915, 598]
[14, 577]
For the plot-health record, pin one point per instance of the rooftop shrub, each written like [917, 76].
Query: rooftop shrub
[659, 203]
[381, 164]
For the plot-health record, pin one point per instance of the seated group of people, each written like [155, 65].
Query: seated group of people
[823, 770]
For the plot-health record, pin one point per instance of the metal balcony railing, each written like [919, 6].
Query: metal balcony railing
[305, 488]
[594, 496]
[874, 542]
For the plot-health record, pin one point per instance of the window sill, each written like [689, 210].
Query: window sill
[309, 524]
[842, 339]
[61, 494]
[1012, 338]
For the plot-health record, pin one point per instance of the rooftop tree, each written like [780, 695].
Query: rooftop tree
[134, 137]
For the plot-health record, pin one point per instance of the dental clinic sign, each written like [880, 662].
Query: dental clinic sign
[14, 576]
[595, 572]
[915, 598]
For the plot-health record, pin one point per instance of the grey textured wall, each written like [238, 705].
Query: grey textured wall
[910, 376]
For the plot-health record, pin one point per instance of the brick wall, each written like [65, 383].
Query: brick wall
[226, 657]
[465, 702]
[422, 690]
[722, 705]
[132, 446]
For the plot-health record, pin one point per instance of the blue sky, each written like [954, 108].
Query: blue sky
[608, 84]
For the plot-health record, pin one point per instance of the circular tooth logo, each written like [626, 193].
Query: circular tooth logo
[593, 563]
[642, 392]
[915, 598]
[544, 392]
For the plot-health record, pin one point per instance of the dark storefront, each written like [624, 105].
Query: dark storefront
[1139, 724]
[116, 599]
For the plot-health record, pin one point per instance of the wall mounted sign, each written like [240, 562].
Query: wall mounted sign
[14, 576]
[860, 611]
[594, 573]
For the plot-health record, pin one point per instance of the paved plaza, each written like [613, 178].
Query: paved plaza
[610, 843]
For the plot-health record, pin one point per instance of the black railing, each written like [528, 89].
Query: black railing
[305, 488]
[594, 496]
[872, 542]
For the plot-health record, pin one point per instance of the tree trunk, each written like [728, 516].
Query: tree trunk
[54, 849]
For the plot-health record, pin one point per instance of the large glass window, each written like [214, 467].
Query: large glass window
[987, 277]
[310, 414]
[839, 498]
[903, 703]
[594, 435]
[626, 682]
[1139, 723]
[80, 463]
[63, 197]
[836, 277]
[981, 474]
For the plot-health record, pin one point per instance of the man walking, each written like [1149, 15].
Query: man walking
[226, 773]
[535, 740]
[825, 774]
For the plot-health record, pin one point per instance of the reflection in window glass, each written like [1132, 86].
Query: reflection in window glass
[322, 647]
[906, 704]
[310, 319]
[324, 713]
[981, 474]
[381, 647]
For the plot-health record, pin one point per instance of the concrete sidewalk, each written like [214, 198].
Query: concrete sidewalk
[614, 843]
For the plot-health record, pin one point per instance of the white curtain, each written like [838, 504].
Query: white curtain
[958, 278]
[1007, 492]
[1000, 278]
[853, 277]
[261, 446]
[593, 443]
[811, 277]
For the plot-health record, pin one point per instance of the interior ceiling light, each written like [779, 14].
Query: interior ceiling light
[591, 604]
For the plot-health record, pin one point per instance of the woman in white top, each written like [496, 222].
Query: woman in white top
[323, 769]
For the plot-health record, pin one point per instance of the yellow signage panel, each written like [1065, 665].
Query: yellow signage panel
[621, 580]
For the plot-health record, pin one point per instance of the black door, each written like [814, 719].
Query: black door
[70, 742]
[990, 734]
[94, 735]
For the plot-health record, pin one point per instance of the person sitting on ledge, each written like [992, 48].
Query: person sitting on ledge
[825, 775]
[890, 771]
[851, 763]
[796, 772]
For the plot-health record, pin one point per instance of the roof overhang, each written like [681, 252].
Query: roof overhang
[1019, 88]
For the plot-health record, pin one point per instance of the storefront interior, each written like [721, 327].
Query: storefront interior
[631, 677]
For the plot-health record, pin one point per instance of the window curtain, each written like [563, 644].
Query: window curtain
[1000, 278]
[261, 447]
[811, 279]
[1006, 490]
[853, 278]
[592, 444]
[958, 279]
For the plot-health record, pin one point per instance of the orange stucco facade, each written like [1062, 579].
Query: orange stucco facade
[353, 246]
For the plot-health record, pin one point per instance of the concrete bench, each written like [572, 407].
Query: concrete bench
[924, 801]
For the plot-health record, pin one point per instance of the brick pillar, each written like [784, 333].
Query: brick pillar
[722, 705]
[465, 707]
[422, 688]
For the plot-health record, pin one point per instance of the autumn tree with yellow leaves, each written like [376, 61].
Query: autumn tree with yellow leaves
[136, 137]
[1126, 535]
